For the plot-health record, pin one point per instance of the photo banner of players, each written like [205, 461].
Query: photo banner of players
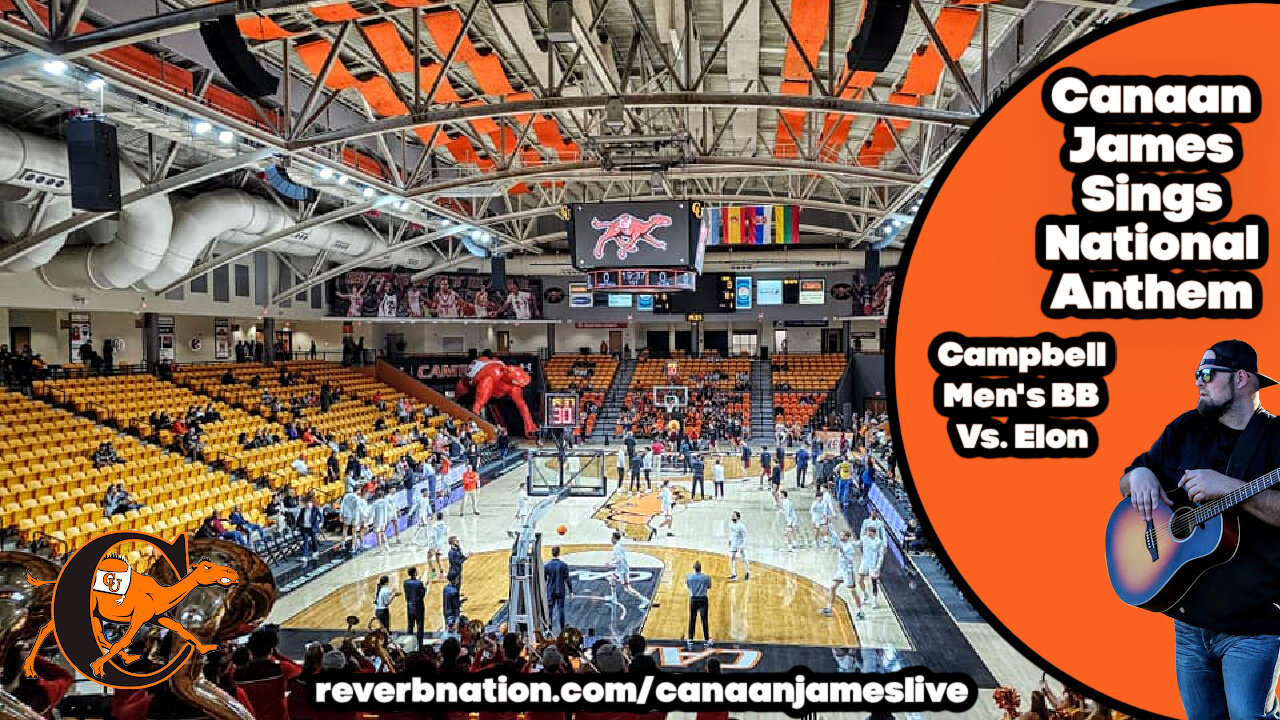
[441, 373]
[1101, 231]
[221, 339]
[637, 234]
[447, 295]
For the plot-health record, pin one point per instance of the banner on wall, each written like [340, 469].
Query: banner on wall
[81, 332]
[446, 295]
[165, 332]
[221, 339]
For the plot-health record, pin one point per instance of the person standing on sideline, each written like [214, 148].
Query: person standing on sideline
[738, 546]
[622, 466]
[717, 476]
[559, 587]
[746, 458]
[699, 483]
[456, 559]
[470, 488]
[637, 464]
[310, 521]
[382, 598]
[698, 584]
[313, 350]
[646, 462]
[452, 600]
[415, 596]
[802, 465]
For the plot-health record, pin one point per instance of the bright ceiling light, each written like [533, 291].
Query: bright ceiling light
[226, 137]
[55, 67]
[368, 192]
[201, 127]
[95, 84]
[342, 179]
[326, 173]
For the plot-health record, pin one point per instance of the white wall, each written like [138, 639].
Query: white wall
[46, 339]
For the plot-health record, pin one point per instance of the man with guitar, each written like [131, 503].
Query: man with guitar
[1220, 580]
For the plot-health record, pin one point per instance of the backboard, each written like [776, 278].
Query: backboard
[584, 472]
[671, 397]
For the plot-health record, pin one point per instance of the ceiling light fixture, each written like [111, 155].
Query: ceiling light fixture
[55, 67]
[226, 137]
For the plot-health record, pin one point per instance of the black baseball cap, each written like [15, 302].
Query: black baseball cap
[1239, 355]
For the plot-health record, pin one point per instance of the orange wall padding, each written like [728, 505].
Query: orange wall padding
[313, 54]
[390, 47]
[809, 22]
[337, 12]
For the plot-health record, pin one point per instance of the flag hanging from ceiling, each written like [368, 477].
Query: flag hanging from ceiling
[761, 223]
[715, 227]
[786, 224]
[733, 226]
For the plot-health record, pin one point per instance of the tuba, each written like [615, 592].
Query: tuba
[216, 615]
[377, 643]
[23, 611]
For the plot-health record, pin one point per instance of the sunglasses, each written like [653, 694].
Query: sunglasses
[1205, 373]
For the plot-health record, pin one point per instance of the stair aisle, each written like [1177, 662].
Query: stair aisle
[607, 421]
[761, 400]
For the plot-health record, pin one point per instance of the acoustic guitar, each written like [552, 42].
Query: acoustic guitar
[1153, 564]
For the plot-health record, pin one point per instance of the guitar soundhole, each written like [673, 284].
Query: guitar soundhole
[1180, 526]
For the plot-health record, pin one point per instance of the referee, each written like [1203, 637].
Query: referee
[698, 584]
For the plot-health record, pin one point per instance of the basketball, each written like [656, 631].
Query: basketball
[562, 529]
[673, 426]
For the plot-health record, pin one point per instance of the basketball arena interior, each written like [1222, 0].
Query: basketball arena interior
[341, 290]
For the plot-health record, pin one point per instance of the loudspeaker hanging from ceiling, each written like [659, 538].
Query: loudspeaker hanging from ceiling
[225, 43]
[878, 37]
[93, 162]
[498, 272]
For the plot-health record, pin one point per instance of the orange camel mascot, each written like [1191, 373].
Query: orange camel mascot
[496, 379]
[121, 594]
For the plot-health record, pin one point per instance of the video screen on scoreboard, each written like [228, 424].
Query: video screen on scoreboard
[769, 292]
[635, 234]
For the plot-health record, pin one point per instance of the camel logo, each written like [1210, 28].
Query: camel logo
[628, 231]
[95, 588]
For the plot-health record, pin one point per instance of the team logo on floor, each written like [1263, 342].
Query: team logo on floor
[598, 606]
[94, 586]
[637, 514]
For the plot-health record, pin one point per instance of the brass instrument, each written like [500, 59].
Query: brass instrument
[216, 615]
[23, 611]
[377, 643]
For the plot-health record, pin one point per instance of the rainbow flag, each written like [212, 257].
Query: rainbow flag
[786, 224]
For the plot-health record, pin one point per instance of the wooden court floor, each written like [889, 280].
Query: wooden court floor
[775, 607]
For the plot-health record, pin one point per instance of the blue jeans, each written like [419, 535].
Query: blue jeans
[1226, 676]
[843, 487]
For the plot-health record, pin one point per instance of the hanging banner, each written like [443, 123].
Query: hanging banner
[221, 339]
[81, 332]
[165, 333]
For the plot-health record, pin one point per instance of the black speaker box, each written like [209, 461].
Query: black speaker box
[225, 43]
[93, 158]
[878, 38]
[871, 271]
[498, 272]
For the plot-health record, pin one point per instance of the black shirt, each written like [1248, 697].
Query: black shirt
[1237, 597]
[415, 593]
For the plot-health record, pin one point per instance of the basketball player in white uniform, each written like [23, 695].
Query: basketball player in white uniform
[383, 519]
[438, 549]
[520, 301]
[387, 307]
[422, 512]
[738, 546]
[414, 299]
[790, 519]
[846, 550]
[352, 511]
[622, 570]
[668, 506]
[820, 515]
[873, 547]
[874, 520]
[446, 302]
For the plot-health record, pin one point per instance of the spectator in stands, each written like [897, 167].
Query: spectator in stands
[255, 382]
[299, 465]
[106, 456]
[380, 424]
[228, 377]
[333, 471]
[238, 519]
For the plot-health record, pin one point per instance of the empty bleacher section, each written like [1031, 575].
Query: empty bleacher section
[719, 396]
[590, 376]
[53, 491]
[802, 383]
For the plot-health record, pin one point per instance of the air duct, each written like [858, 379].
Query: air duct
[35, 165]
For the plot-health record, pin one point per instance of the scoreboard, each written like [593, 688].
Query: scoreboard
[562, 410]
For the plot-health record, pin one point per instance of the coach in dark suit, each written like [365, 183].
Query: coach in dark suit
[452, 601]
[559, 587]
[415, 596]
[310, 522]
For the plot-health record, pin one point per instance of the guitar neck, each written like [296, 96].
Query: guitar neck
[1212, 509]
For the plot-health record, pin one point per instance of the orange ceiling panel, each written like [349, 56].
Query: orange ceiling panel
[809, 22]
[489, 75]
[337, 12]
[444, 93]
[444, 28]
[783, 144]
[313, 54]
[260, 27]
[903, 99]
[390, 46]
[410, 3]
[955, 26]
[382, 99]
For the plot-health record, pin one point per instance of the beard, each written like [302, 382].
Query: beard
[1210, 410]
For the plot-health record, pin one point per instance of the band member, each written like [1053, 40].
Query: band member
[1227, 626]
[846, 549]
[622, 570]
[738, 546]
[445, 302]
